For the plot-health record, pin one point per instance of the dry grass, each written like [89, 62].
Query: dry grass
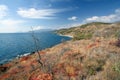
[96, 59]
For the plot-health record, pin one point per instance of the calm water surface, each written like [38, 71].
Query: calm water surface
[14, 44]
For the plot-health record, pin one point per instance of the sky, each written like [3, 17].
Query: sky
[21, 15]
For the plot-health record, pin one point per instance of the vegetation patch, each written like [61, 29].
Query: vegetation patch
[92, 66]
[116, 67]
[80, 36]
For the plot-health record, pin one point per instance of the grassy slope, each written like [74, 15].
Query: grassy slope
[90, 30]
[93, 58]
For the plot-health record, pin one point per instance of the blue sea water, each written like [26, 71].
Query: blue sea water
[14, 44]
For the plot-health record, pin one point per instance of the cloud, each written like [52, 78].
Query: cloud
[68, 25]
[109, 18]
[10, 22]
[10, 25]
[73, 18]
[6, 24]
[38, 27]
[39, 13]
[3, 11]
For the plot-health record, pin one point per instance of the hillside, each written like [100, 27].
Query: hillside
[93, 54]
[91, 30]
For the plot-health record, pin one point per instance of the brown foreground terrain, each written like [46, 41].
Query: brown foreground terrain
[86, 57]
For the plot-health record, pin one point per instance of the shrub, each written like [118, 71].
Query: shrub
[80, 36]
[84, 26]
[117, 34]
[118, 43]
[93, 66]
[3, 69]
[116, 67]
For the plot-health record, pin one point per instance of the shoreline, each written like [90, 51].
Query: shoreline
[66, 35]
[16, 57]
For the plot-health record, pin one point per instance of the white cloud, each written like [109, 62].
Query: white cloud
[38, 27]
[10, 22]
[39, 14]
[3, 11]
[10, 25]
[109, 18]
[68, 25]
[73, 18]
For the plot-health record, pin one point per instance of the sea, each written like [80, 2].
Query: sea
[13, 45]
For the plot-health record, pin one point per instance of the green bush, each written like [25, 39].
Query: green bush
[82, 36]
[117, 34]
[84, 26]
[116, 67]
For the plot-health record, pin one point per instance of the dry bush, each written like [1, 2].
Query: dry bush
[92, 66]
[118, 43]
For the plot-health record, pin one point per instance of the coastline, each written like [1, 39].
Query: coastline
[17, 57]
[66, 35]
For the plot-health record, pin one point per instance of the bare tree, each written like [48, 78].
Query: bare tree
[36, 40]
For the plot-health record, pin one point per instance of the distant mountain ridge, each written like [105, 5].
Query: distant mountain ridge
[41, 30]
